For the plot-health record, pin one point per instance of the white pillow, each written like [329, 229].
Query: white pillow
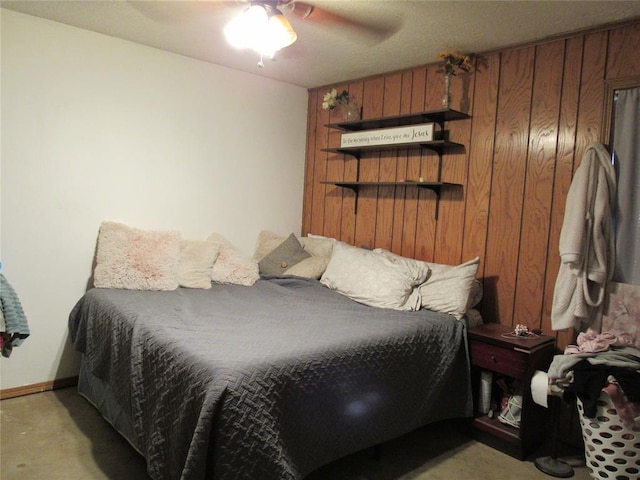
[419, 271]
[320, 249]
[448, 287]
[373, 278]
[136, 259]
[232, 266]
[318, 246]
[266, 243]
[196, 261]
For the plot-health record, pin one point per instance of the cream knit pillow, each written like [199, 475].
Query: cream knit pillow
[232, 266]
[196, 262]
[136, 259]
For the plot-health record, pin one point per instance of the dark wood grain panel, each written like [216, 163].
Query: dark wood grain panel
[478, 185]
[426, 224]
[414, 161]
[623, 59]
[372, 104]
[322, 117]
[386, 201]
[397, 236]
[454, 169]
[565, 157]
[388, 166]
[333, 197]
[592, 89]
[348, 228]
[507, 194]
[309, 183]
[543, 138]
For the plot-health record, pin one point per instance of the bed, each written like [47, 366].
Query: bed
[263, 382]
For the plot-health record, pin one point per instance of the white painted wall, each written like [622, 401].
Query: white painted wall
[97, 128]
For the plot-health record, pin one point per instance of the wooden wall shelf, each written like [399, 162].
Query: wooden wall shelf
[437, 116]
[435, 187]
[438, 146]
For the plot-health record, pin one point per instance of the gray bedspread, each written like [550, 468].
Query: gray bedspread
[269, 381]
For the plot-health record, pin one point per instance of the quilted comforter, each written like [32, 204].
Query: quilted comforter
[269, 381]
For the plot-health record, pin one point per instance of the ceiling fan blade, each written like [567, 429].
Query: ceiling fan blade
[323, 17]
[295, 9]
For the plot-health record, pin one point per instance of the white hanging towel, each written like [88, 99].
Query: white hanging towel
[587, 244]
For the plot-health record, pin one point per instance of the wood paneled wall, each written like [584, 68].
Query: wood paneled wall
[534, 109]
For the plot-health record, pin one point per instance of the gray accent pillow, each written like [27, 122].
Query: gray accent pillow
[284, 256]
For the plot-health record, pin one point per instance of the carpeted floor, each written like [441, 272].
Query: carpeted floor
[59, 435]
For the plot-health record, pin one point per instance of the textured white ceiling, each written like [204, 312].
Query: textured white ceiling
[376, 36]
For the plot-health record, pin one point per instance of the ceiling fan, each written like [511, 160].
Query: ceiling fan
[263, 25]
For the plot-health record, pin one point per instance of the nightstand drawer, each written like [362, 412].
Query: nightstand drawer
[502, 360]
[495, 349]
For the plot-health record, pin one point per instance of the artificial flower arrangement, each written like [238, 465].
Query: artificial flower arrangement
[454, 61]
[332, 99]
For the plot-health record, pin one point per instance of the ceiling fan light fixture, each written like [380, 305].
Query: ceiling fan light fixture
[245, 30]
[280, 32]
[262, 28]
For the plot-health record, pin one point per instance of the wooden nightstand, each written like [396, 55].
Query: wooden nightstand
[510, 360]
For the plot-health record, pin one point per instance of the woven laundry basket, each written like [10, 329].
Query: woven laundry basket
[612, 450]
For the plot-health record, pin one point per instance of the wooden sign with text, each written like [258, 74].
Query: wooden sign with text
[388, 136]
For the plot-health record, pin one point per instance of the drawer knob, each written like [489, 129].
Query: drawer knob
[494, 359]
